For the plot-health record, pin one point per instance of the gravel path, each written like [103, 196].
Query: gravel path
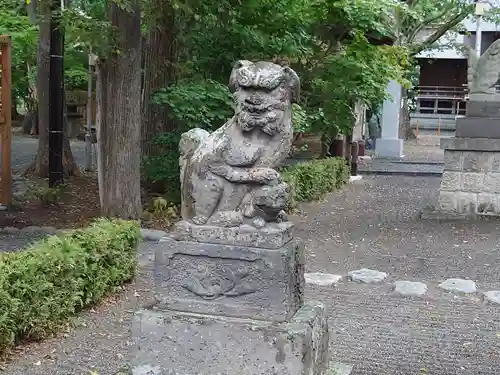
[17, 241]
[372, 223]
[24, 149]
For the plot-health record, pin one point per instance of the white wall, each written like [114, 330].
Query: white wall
[452, 53]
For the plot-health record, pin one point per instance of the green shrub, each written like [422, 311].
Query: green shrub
[42, 286]
[314, 179]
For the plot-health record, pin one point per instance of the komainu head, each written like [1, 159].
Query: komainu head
[264, 93]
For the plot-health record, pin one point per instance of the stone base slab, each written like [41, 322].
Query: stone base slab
[478, 127]
[483, 97]
[230, 280]
[470, 144]
[483, 109]
[272, 236]
[166, 343]
[389, 148]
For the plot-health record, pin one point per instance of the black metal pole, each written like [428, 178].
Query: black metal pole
[56, 97]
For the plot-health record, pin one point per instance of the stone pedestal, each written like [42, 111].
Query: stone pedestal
[187, 344]
[224, 308]
[389, 145]
[470, 186]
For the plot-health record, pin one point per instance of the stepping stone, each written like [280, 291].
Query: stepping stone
[146, 370]
[338, 368]
[367, 276]
[410, 288]
[322, 279]
[493, 296]
[459, 285]
[152, 234]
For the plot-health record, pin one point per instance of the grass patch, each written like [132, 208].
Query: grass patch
[312, 180]
[44, 285]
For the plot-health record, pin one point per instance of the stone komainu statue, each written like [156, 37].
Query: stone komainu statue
[483, 72]
[228, 176]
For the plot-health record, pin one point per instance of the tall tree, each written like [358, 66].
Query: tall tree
[119, 114]
[160, 57]
[40, 164]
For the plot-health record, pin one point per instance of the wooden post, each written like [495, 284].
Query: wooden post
[439, 127]
[354, 158]
[6, 126]
[416, 130]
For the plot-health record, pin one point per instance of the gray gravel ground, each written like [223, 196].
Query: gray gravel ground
[24, 149]
[371, 223]
[16, 241]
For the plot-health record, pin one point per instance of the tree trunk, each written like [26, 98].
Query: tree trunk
[405, 130]
[40, 165]
[160, 55]
[119, 117]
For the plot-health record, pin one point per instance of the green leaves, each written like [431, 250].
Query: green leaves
[206, 104]
[44, 285]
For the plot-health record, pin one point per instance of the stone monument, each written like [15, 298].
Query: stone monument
[229, 280]
[470, 186]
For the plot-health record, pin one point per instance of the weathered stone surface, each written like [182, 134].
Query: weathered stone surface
[322, 279]
[459, 285]
[447, 202]
[451, 181]
[146, 370]
[410, 288]
[227, 177]
[472, 182]
[487, 203]
[483, 72]
[453, 160]
[271, 236]
[152, 234]
[477, 108]
[492, 183]
[339, 368]
[229, 280]
[187, 344]
[477, 127]
[493, 296]
[478, 161]
[470, 144]
[367, 276]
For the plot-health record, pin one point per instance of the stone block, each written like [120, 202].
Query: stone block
[447, 201]
[272, 236]
[466, 203]
[478, 161]
[492, 183]
[487, 204]
[478, 127]
[451, 181]
[483, 109]
[495, 166]
[473, 182]
[453, 160]
[230, 280]
[187, 344]
[470, 144]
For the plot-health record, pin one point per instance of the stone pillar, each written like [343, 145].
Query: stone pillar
[389, 145]
[471, 179]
